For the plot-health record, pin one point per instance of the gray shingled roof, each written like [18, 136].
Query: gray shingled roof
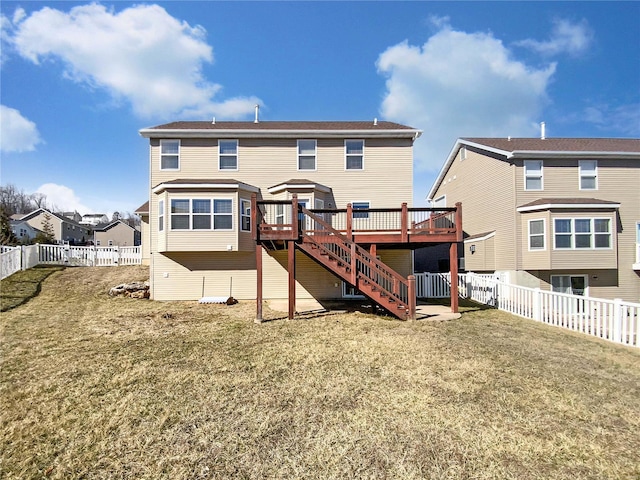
[561, 144]
[284, 125]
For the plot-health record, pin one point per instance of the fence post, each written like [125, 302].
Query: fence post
[116, 255]
[22, 260]
[412, 296]
[617, 320]
[537, 304]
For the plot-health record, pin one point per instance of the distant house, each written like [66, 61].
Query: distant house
[23, 231]
[75, 216]
[94, 219]
[560, 214]
[64, 229]
[115, 233]
[143, 212]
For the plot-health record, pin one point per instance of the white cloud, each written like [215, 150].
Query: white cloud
[608, 118]
[17, 133]
[62, 198]
[566, 37]
[141, 54]
[460, 84]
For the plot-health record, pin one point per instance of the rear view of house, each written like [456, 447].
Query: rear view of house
[562, 214]
[205, 176]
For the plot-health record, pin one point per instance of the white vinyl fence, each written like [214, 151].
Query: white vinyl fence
[613, 320]
[13, 259]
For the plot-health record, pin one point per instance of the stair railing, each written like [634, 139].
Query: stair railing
[361, 264]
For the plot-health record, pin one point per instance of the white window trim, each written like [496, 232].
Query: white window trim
[315, 155]
[244, 201]
[524, 170]
[221, 155]
[161, 215]
[581, 175]
[544, 235]
[592, 233]
[212, 214]
[346, 156]
[179, 151]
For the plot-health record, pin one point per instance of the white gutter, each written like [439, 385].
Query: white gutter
[547, 206]
[226, 186]
[261, 133]
[569, 154]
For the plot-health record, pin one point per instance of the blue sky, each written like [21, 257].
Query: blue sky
[78, 80]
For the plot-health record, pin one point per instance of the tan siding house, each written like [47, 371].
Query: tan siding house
[65, 230]
[556, 213]
[117, 234]
[197, 228]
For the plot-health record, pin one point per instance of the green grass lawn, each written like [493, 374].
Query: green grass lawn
[100, 387]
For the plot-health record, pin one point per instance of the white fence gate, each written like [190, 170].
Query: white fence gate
[13, 259]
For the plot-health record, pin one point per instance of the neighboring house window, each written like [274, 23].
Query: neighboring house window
[228, 154]
[179, 214]
[245, 215]
[306, 154]
[536, 234]
[222, 214]
[97, 243]
[201, 214]
[161, 215]
[110, 243]
[354, 154]
[582, 233]
[360, 206]
[570, 284]
[588, 174]
[169, 154]
[533, 174]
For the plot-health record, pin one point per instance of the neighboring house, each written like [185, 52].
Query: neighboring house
[145, 241]
[75, 216]
[23, 231]
[115, 233]
[65, 230]
[203, 176]
[559, 214]
[94, 219]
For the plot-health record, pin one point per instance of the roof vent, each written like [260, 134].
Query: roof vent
[257, 120]
[375, 121]
[542, 131]
[213, 121]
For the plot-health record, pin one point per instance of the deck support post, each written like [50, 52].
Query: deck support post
[291, 267]
[453, 263]
[412, 296]
[349, 221]
[258, 283]
[404, 223]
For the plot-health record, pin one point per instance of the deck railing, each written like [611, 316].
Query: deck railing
[274, 219]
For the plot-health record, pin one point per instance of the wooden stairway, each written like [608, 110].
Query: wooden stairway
[343, 257]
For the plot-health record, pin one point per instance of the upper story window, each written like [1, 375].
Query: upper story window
[161, 215]
[228, 154]
[354, 154]
[582, 233]
[306, 154]
[533, 175]
[536, 234]
[169, 154]
[245, 215]
[198, 214]
[588, 174]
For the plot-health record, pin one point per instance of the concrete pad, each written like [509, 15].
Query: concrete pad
[302, 305]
